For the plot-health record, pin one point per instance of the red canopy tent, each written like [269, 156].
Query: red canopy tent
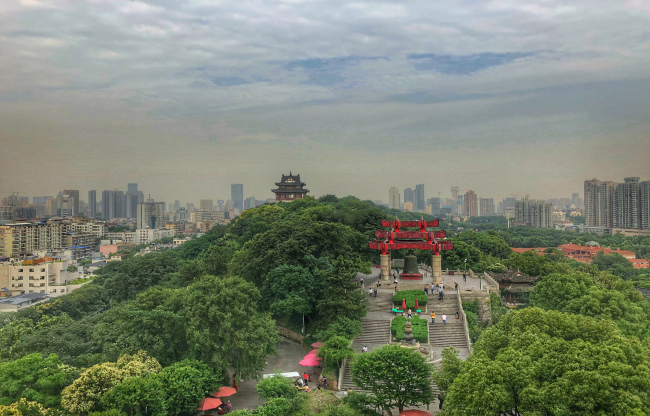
[415, 413]
[209, 403]
[309, 361]
[224, 392]
[416, 304]
[317, 344]
[403, 304]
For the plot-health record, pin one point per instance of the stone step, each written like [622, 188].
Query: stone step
[347, 384]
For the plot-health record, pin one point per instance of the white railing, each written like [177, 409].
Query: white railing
[465, 328]
[341, 370]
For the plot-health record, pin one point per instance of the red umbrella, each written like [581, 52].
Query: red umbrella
[313, 352]
[224, 392]
[415, 413]
[416, 304]
[309, 361]
[403, 304]
[317, 344]
[209, 403]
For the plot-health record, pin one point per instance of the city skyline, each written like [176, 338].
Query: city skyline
[188, 98]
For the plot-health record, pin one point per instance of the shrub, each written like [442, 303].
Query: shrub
[420, 328]
[410, 296]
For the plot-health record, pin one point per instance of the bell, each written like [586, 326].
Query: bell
[411, 264]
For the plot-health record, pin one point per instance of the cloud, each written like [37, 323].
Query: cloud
[317, 77]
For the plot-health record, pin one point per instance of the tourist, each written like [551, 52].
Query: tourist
[426, 289]
[439, 294]
[228, 406]
[361, 280]
[444, 320]
[464, 277]
[442, 295]
[370, 292]
[409, 314]
[395, 288]
[456, 286]
[433, 317]
[375, 294]
[220, 410]
[364, 349]
[457, 316]
[324, 383]
[306, 377]
[395, 280]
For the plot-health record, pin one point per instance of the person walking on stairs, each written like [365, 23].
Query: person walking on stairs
[457, 316]
[444, 320]
[370, 292]
[375, 293]
[433, 317]
[409, 314]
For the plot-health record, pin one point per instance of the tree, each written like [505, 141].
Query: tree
[548, 362]
[72, 268]
[225, 326]
[292, 289]
[451, 367]
[34, 378]
[187, 382]
[334, 351]
[396, 376]
[86, 392]
[276, 386]
[23, 407]
[137, 396]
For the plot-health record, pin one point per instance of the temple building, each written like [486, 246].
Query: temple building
[289, 188]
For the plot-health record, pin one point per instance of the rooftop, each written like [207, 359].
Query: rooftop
[24, 298]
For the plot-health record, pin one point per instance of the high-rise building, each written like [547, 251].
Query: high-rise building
[599, 200]
[644, 206]
[486, 207]
[132, 200]
[67, 206]
[237, 196]
[436, 205]
[151, 215]
[408, 195]
[419, 203]
[393, 198]
[250, 202]
[534, 213]
[470, 204]
[627, 203]
[113, 204]
[92, 203]
[408, 206]
[74, 193]
[177, 205]
[205, 205]
[189, 207]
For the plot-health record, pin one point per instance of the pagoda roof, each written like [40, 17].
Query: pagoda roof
[290, 179]
[513, 276]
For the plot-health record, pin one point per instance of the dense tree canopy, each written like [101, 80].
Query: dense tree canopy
[548, 362]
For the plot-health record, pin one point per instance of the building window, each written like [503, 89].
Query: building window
[31, 277]
[31, 270]
[20, 270]
[31, 285]
[42, 284]
[53, 290]
[20, 278]
[31, 291]
[42, 270]
[42, 291]
[42, 277]
[20, 285]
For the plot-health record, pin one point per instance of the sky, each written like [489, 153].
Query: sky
[186, 97]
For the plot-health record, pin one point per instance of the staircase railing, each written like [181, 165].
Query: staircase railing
[341, 371]
[465, 328]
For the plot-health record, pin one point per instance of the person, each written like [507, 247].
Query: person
[370, 292]
[375, 293]
[395, 280]
[457, 316]
[361, 280]
[220, 410]
[433, 317]
[444, 320]
[395, 288]
[456, 286]
[426, 289]
[306, 377]
[409, 314]
[464, 277]
[229, 406]
[439, 294]
[442, 295]
[325, 383]
[364, 349]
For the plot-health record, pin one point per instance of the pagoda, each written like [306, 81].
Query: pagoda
[289, 188]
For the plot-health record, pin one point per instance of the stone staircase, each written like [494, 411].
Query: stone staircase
[382, 303]
[376, 333]
[452, 334]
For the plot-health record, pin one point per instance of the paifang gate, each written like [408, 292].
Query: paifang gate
[421, 239]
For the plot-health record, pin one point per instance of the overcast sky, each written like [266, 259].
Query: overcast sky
[186, 97]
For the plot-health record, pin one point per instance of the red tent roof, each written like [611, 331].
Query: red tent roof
[224, 391]
[209, 403]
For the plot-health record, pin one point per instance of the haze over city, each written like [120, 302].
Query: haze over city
[186, 98]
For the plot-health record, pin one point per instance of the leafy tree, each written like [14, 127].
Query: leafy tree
[72, 268]
[343, 327]
[293, 289]
[34, 378]
[455, 259]
[396, 376]
[276, 386]
[547, 362]
[225, 327]
[187, 382]
[137, 396]
[283, 406]
[451, 367]
[23, 407]
[86, 392]
[615, 264]
[334, 351]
